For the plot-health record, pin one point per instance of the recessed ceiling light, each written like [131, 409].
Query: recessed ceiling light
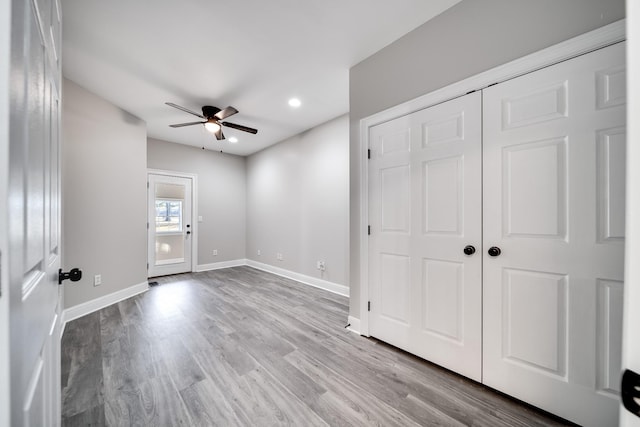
[295, 102]
[233, 140]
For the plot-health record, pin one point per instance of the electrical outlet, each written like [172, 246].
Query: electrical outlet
[97, 280]
[320, 265]
[259, 253]
[215, 252]
[279, 256]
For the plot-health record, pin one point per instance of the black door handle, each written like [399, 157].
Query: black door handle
[469, 250]
[188, 232]
[74, 275]
[630, 391]
[494, 251]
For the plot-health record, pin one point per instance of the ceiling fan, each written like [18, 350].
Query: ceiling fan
[213, 119]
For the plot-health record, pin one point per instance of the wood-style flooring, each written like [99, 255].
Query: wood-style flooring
[243, 347]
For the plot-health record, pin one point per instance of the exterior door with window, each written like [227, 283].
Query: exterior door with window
[170, 224]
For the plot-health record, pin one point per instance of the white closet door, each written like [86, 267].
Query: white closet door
[424, 209]
[554, 191]
[390, 319]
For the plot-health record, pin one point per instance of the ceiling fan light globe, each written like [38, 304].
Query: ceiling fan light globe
[212, 127]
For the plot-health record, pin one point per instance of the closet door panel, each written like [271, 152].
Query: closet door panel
[424, 208]
[553, 203]
[390, 223]
[447, 200]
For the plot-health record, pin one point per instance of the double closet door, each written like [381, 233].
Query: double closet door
[497, 235]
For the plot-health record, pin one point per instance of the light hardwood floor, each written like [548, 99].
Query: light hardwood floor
[243, 347]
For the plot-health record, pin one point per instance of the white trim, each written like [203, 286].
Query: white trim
[593, 40]
[83, 309]
[631, 301]
[169, 261]
[307, 280]
[5, 106]
[354, 325]
[219, 265]
[63, 323]
[363, 209]
[194, 209]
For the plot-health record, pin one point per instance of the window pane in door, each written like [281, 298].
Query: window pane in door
[168, 216]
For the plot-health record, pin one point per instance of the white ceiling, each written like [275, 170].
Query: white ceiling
[251, 54]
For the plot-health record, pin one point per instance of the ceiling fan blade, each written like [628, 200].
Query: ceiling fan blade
[186, 110]
[219, 135]
[240, 127]
[179, 125]
[223, 114]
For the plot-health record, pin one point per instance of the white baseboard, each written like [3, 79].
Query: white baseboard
[85, 308]
[307, 280]
[354, 325]
[219, 265]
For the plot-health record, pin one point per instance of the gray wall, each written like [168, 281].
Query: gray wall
[297, 202]
[104, 156]
[471, 37]
[221, 196]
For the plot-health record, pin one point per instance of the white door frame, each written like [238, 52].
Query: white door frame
[631, 311]
[194, 210]
[576, 46]
[5, 48]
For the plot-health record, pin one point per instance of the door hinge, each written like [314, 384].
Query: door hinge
[147, 184]
[368, 230]
[147, 225]
[368, 153]
[368, 305]
[147, 266]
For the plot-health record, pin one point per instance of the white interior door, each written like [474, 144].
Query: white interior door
[170, 224]
[424, 209]
[34, 220]
[554, 203]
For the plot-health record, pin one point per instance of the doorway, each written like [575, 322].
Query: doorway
[171, 229]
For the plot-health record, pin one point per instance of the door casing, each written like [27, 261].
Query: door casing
[631, 311]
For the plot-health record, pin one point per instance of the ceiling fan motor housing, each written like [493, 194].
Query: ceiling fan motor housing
[208, 111]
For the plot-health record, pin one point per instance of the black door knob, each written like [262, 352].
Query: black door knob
[630, 391]
[494, 251]
[74, 275]
[469, 250]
